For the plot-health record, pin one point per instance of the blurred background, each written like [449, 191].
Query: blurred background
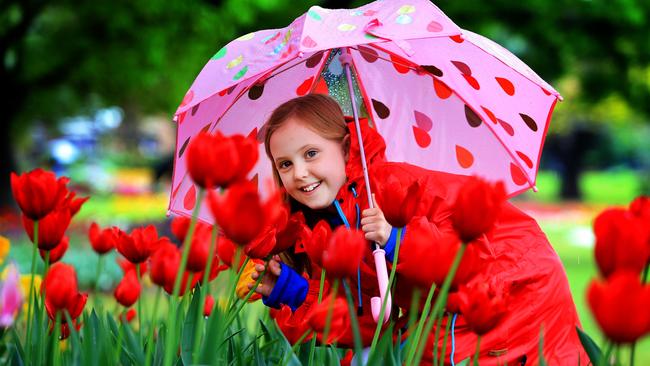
[89, 88]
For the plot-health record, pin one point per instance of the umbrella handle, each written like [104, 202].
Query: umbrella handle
[382, 281]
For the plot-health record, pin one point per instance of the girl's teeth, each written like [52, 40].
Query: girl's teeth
[310, 187]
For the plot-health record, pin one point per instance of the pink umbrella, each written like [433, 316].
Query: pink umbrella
[448, 99]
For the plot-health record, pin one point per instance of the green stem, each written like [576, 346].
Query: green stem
[645, 274]
[356, 334]
[330, 309]
[312, 344]
[391, 278]
[120, 332]
[443, 355]
[478, 350]
[55, 339]
[171, 320]
[152, 328]
[204, 289]
[436, 337]
[441, 300]
[28, 341]
[233, 314]
[632, 351]
[232, 293]
[100, 261]
[414, 340]
[139, 301]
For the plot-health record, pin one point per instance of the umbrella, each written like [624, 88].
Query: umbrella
[444, 98]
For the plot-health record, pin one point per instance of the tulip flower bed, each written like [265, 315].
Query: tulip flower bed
[200, 312]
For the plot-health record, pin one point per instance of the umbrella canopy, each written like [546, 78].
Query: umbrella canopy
[444, 98]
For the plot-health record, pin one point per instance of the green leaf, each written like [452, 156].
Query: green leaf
[16, 349]
[214, 333]
[189, 326]
[592, 349]
[464, 362]
[256, 354]
[132, 345]
[159, 356]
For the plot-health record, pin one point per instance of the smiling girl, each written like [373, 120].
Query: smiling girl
[315, 158]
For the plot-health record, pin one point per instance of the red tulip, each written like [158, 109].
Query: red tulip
[60, 285]
[164, 264]
[103, 241]
[621, 242]
[74, 203]
[343, 254]
[65, 329]
[620, 306]
[262, 245]
[477, 207]
[193, 279]
[339, 318]
[61, 292]
[437, 249]
[38, 192]
[317, 243]
[216, 160]
[179, 226]
[208, 306]
[640, 208]
[483, 305]
[293, 327]
[399, 203]
[128, 290]
[127, 266]
[241, 214]
[226, 252]
[51, 228]
[247, 148]
[129, 315]
[57, 252]
[294, 233]
[199, 248]
[139, 245]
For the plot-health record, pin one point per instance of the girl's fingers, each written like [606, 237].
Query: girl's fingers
[255, 275]
[259, 267]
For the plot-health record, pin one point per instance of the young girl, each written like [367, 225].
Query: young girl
[315, 157]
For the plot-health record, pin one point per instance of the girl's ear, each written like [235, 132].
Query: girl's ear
[345, 145]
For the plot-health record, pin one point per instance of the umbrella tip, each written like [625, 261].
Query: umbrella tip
[535, 189]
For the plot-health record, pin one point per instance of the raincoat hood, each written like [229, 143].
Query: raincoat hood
[374, 145]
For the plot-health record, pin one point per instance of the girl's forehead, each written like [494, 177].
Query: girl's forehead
[295, 129]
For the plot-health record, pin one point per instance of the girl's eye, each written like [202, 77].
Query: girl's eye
[311, 153]
[285, 164]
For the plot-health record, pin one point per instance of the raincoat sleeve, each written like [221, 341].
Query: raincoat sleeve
[391, 244]
[290, 289]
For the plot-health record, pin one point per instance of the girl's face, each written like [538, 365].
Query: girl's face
[311, 167]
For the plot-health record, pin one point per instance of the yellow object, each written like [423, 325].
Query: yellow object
[5, 245]
[242, 286]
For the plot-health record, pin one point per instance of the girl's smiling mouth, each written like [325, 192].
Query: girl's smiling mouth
[311, 187]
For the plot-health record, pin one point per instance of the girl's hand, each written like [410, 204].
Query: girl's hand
[374, 224]
[271, 275]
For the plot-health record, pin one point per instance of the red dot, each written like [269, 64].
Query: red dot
[525, 159]
[506, 85]
[518, 176]
[457, 38]
[400, 64]
[491, 115]
[442, 90]
[305, 86]
[464, 157]
[421, 137]
[190, 198]
[472, 82]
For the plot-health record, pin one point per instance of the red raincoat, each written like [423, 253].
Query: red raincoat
[517, 254]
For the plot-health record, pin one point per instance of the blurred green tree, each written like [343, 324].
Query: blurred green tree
[597, 52]
[63, 58]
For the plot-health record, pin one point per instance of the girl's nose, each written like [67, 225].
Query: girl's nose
[300, 171]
